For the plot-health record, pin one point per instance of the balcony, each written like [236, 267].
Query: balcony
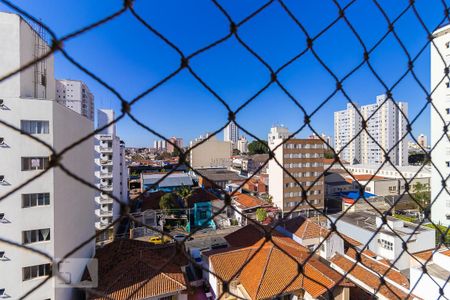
[103, 200]
[105, 137]
[105, 149]
[106, 175]
[99, 212]
[105, 162]
[102, 224]
[105, 187]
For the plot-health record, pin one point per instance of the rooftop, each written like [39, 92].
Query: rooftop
[219, 174]
[304, 228]
[132, 269]
[173, 179]
[260, 261]
[368, 220]
[245, 201]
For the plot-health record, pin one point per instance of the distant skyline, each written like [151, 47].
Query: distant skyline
[130, 58]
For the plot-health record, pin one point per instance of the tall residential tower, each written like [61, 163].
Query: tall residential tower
[231, 134]
[51, 213]
[440, 117]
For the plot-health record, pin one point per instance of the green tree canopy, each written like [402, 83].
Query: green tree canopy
[167, 201]
[261, 214]
[256, 147]
[184, 192]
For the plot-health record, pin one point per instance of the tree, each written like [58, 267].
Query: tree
[167, 201]
[184, 193]
[257, 147]
[236, 152]
[261, 214]
[422, 193]
[329, 154]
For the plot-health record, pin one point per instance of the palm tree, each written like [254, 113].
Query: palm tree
[184, 193]
[167, 201]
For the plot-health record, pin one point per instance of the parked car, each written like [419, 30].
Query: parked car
[157, 240]
[179, 237]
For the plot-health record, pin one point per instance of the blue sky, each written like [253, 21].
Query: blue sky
[130, 58]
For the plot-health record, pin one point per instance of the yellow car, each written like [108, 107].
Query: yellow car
[157, 240]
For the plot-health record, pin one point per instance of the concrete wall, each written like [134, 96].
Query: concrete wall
[212, 153]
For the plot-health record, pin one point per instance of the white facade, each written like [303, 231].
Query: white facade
[76, 95]
[53, 212]
[438, 271]
[389, 171]
[210, 154]
[242, 145]
[422, 140]
[386, 242]
[276, 134]
[440, 116]
[386, 125]
[110, 174]
[231, 134]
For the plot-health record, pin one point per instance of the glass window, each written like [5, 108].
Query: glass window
[35, 271]
[34, 163]
[34, 127]
[33, 236]
[37, 199]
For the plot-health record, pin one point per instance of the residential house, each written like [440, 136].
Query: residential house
[217, 178]
[252, 267]
[138, 270]
[244, 207]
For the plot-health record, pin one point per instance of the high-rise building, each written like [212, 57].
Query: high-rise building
[160, 145]
[76, 95]
[347, 124]
[175, 140]
[386, 126]
[110, 174]
[231, 134]
[52, 213]
[242, 145]
[440, 210]
[303, 159]
[422, 140]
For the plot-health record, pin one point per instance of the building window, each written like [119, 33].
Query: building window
[34, 163]
[34, 127]
[36, 271]
[447, 110]
[386, 244]
[34, 236]
[447, 163]
[37, 199]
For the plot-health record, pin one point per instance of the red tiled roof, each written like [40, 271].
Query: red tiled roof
[246, 201]
[359, 273]
[132, 269]
[304, 228]
[363, 177]
[256, 263]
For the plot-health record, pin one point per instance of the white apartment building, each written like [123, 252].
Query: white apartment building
[110, 173]
[210, 154]
[347, 124]
[231, 134]
[76, 95]
[277, 134]
[242, 145]
[52, 213]
[440, 210]
[386, 125]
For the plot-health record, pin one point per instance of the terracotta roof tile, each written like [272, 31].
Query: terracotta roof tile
[246, 201]
[139, 270]
[260, 261]
[305, 228]
[359, 273]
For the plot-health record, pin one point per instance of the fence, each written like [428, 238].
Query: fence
[410, 8]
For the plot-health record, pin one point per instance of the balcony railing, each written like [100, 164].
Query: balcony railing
[105, 149]
[105, 187]
[105, 161]
[103, 200]
[103, 213]
[105, 137]
[105, 174]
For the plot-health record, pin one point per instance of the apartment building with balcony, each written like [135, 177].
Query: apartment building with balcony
[110, 173]
[75, 94]
[303, 159]
[440, 117]
[51, 213]
[385, 130]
